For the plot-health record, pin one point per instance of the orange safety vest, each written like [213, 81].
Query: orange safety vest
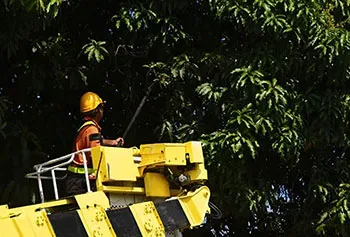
[82, 141]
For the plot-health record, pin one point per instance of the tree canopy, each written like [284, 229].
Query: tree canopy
[263, 84]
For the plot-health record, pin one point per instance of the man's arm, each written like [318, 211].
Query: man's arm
[92, 130]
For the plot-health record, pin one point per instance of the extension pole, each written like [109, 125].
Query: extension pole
[138, 110]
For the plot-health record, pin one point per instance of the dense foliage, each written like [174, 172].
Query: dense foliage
[263, 84]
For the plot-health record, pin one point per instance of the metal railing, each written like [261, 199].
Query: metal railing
[58, 164]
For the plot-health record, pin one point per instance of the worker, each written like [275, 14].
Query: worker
[88, 135]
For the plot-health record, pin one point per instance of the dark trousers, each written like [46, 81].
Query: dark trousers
[76, 184]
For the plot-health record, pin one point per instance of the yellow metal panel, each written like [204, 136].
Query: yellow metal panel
[195, 205]
[9, 229]
[199, 173]
[175, 155]
[168, 153]
[118, 189]
[25, 222]
[116, 163]
[156, 185]
[99, 163]
[7, 225]
[23, 226]
[152, 154]
[40, 223]
[4, 209]
[194, 150]
[91, 199]
[147, 219]
[96, 222]
[45, 205]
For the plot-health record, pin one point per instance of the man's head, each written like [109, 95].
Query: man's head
[91, 105]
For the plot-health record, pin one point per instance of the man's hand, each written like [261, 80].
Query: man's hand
[118, 142]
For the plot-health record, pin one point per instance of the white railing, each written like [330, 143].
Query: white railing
[57, 164]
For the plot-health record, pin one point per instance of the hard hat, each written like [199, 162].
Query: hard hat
[89, 101]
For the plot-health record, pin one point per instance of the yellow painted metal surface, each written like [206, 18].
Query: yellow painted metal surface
[21, 225]
[92, 199]
[114, 163]
[91, 210]
[163, 153]
[8, 228]
[24, 222]
[156, 185]
[29, 220]
[123, 189]
[40, 223]
[196, 205]
[33, 221]
[7, 225]
[199, 173]
[4, 209]
[92, 213]
[118, 173]
[96, 222]
[194, 151]
[147, 219]
[45, 205]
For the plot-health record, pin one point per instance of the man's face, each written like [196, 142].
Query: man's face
[99, 115]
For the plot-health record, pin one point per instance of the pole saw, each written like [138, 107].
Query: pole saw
[149, 89]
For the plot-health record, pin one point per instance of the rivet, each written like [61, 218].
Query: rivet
[148, 226]
[39, 221]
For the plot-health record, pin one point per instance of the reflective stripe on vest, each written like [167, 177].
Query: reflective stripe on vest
[86, 124]
[79, 170]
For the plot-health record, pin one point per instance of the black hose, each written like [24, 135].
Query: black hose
[217, 214]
